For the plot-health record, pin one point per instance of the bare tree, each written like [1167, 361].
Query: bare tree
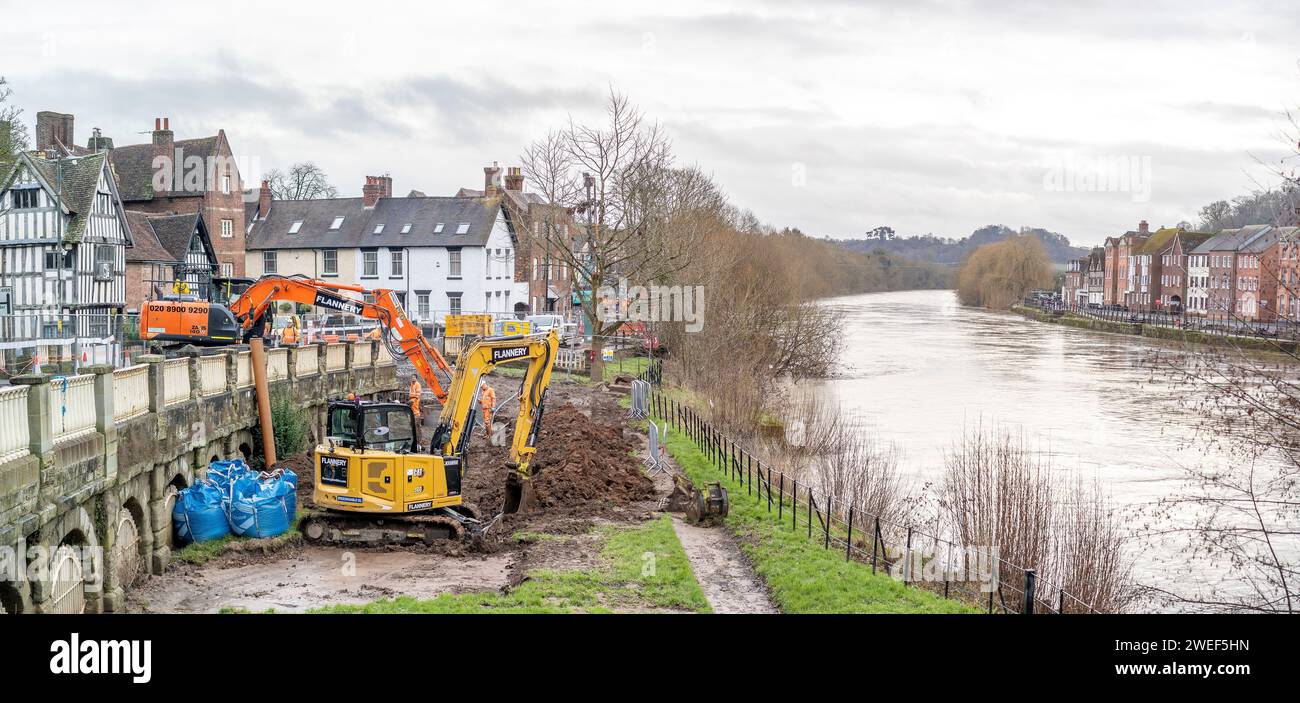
[303, 181]
[628, 201]
[13, 132]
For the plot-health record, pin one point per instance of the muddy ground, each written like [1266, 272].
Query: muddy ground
[590, 474]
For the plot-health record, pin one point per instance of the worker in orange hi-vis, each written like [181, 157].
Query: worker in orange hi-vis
[290, 335]
[487, 400]
[416, 390]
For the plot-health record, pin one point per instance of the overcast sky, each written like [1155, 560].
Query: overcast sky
[835, 117]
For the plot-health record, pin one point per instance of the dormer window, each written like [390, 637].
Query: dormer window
[462, 228]
[379, 229]
[437, 229]
[338, 222]
[297, 225]
[406, 228]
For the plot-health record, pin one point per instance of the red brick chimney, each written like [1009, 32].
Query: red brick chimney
[264, 200]
[514, 179]
[164, 146]
[1144, 228]
[491, 179]
[52, 129]
[376, 187]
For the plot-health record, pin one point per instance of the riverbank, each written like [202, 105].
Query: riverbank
[1061, 317]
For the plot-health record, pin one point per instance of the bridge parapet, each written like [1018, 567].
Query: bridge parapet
[95, 460]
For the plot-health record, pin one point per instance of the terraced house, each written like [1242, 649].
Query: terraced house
[1160, 269]
[63, 240]
[442, 255]
[1233, 285]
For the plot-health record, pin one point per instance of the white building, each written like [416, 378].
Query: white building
[63, 240]
[1198, 282]
[441, 255]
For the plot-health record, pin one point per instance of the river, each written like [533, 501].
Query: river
[918, 368]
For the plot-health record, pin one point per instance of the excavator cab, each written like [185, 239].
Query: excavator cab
[370, 466]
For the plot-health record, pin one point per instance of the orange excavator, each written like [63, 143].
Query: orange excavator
[372, 463]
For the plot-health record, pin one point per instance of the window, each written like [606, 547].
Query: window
[422, 306]
[453, 303]
[225, 185]
[370, 264]
[462, 228]
[330, 262]
[268, 262]
[379, 229]
[487, 301]
[453, 263]
[337, 223]
[406, 228]
[26, 198]
[227, 269]
[297, 225]
[227, 228]
[437, 229]
[396, 271]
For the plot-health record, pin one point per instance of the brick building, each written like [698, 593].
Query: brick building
[540, 227]
[167, 249]
[205, 179]
[1096, 275]
[1160, 269]
[1223, 276]
[1288, 283]
[1120, 286]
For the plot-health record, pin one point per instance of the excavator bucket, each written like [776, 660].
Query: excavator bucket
[520, 495]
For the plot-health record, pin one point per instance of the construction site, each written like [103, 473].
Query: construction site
[591, 486]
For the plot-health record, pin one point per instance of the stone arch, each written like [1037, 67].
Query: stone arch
[75, 569]
[11, 600]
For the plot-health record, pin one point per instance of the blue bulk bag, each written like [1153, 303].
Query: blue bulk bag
[199, 514]
[262, 507]
[225, 473]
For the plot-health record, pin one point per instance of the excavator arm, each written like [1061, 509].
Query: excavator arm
[459, 411]
[250, 312]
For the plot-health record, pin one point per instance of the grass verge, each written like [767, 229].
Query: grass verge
[802, 576]
[646, 568]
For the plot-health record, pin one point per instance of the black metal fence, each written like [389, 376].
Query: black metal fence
[918, 558]
[1222, 323]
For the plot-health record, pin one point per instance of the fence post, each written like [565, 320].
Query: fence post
[1060, 601]
[1031, 577]
[749, 474]
[826, 524]
[811, 510]
[907, 555]
[875, 542]
[848, 543]
[780, 497]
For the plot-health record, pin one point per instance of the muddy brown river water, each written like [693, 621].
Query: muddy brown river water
[917, 367]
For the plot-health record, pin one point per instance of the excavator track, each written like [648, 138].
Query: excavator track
[329, 527]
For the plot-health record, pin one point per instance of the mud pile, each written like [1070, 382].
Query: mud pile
[579, 460]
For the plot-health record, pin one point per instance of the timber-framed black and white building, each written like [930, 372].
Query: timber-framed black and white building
[63, 240]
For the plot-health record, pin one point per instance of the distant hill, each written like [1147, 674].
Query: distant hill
[945, 250]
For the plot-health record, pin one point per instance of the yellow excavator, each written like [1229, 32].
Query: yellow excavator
[373, 481]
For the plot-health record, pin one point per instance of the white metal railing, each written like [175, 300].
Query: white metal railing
[244, 370]
[307, 362]
[385, 357]
[336, 356]
[130, 392]
[72, 406]
[212, 374]
[176, 381]
[361, 354]
[15, 435]
[277, 364]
